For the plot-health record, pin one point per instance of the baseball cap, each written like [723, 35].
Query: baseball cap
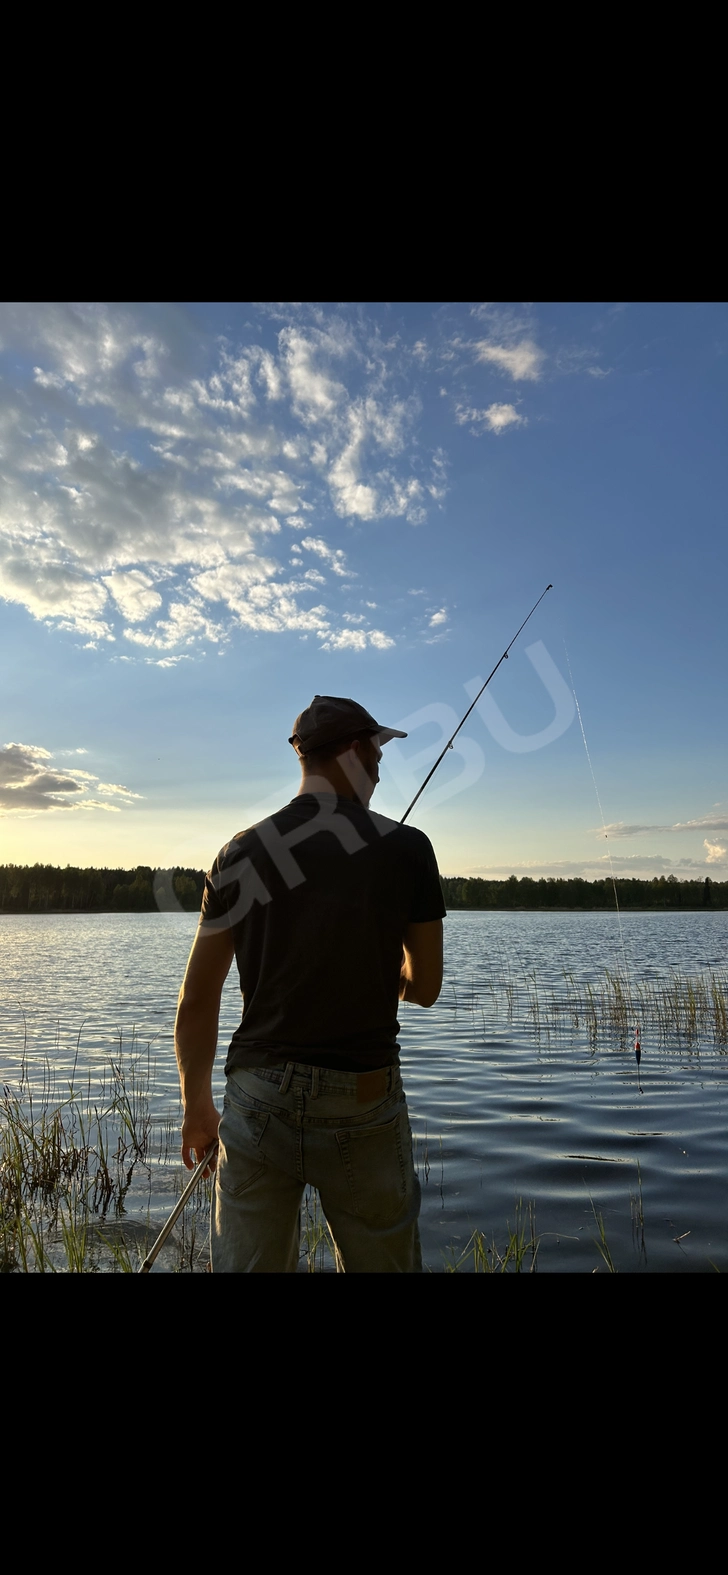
[329, 720]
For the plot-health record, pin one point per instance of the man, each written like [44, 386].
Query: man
[333, 913]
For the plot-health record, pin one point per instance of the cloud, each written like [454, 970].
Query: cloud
[52, 590]
[496, 417]
[28, 786]
[346, 639]
[334, 557]
[230, 582]
[132, 595]
[315, 394]
[18, 762]
[186, 624]
[257, 600]
[140, 457]
[163, 661]
[116, 790]
[438, 617]
[704, 823]
[404, 498]
[715, 852]
[368, 428]
[575, 359]
[522, 361]
[437, 485]
[356, 640]
[352, 496]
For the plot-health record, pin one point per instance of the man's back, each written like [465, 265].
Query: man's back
[318, 898]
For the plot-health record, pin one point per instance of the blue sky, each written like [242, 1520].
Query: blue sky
[210, 512]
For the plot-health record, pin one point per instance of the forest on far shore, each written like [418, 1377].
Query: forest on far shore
[557, 892]
[43, 888]
[46, 888]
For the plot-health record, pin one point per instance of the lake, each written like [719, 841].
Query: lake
[514, 1091]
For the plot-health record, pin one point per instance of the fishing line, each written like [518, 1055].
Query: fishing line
[637, 1044]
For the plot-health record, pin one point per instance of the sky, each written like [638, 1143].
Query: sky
[210, 512]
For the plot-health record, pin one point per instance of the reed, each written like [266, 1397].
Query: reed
[637, 1212]
[602, 1245]
[318, 1248]
[67, 1164]
[687, 1010]
[518, 1252]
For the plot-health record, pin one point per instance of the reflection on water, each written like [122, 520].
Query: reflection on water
[506, 1102]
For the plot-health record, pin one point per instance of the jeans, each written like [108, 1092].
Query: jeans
[345, 1133]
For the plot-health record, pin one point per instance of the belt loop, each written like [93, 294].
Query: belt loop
[315, 1070]
[286, 1080]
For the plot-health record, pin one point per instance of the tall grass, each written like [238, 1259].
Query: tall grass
[514, 1255]
[687, 1010]
[67, 1164]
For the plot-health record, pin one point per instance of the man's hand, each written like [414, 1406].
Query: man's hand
[199, 1131]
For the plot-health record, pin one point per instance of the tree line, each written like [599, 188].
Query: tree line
[557, 892]
[46, 888]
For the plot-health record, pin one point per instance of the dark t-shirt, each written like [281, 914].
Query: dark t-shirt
[318, 898]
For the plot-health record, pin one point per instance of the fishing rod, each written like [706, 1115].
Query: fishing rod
[196, 1176]
[449, 743]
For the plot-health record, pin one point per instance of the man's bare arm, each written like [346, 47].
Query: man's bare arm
[195, 1038]
[421, 976]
